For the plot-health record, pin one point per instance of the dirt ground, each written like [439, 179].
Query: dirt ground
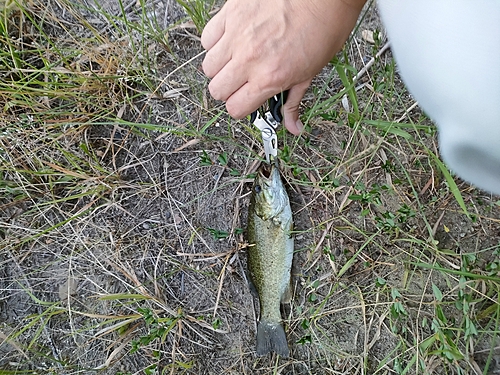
[136, 264]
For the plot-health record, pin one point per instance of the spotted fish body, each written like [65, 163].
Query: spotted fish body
[270, 255]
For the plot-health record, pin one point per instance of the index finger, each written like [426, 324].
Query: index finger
[214, 30]
[246, 99]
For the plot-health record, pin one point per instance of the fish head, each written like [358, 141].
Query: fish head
[269, 194]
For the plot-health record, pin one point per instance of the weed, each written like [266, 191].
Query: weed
[205, 159]
[222, 159]
[157, 329]
[198, 11]
[368, 196]
[218, 234]
[397, 308]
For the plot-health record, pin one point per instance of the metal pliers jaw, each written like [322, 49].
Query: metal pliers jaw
[267, 125]
[267, 122]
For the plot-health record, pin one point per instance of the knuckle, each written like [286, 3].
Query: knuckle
[278, 77]
[234, 110]
[207, 67]
[205, 38]
[253, 53]
[273, 79]
[214, 91]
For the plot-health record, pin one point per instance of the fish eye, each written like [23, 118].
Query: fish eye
[257, 189]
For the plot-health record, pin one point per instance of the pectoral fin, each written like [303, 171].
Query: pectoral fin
[287, 295]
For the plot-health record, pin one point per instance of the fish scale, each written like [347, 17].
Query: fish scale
[270, 255]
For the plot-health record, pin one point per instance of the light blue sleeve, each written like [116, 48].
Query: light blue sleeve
[448, 54]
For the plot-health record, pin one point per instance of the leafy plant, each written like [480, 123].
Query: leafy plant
[397, 307]
[222, 158]
[205, 159]
[218, 234]
[157, 329]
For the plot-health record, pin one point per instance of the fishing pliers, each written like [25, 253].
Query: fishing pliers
[267, 121]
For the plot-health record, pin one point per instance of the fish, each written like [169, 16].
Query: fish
[270, 255]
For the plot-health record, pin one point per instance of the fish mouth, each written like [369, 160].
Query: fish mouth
[266, 170]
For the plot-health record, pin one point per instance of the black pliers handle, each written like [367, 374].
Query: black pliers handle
[268, 121]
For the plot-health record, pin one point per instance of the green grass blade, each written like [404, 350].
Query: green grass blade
[450, 181]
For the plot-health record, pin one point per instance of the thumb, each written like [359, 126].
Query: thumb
[291, 107]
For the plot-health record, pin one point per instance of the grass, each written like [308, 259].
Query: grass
[123, 194]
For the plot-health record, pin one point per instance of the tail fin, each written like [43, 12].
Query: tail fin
[271, 337]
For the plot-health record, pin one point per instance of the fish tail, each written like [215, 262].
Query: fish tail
[271, 337]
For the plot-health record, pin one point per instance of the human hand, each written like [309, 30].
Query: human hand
[259, 48]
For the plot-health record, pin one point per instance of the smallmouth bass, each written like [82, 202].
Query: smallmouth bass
[270, 255]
